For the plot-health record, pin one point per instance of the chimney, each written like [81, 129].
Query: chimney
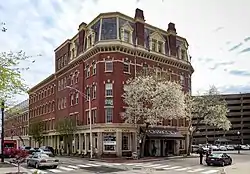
[171, 28]
[81, 26]
[139, 14]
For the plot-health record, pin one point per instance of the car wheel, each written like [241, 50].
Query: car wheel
[37, 166]
[223, 164]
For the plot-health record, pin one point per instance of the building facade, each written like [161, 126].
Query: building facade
[239, 116]
[16, 124]
[96, 63]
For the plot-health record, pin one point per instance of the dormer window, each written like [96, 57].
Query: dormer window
[157, 42]
[90, 39]
[127, 33]
[183, 54]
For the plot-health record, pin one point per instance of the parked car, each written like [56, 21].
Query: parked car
[244, 147]
[223, 148]
[39, 160]
[230, 147]
[45, 151]
[221, 159]
[214, 148]
[48, 148]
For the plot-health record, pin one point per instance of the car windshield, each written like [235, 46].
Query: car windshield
[215, 155]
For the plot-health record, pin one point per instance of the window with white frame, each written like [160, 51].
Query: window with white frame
[93, 115]
[108, 66]
[125, 141]
[87, 115]
[127, 36]
[59, 104]
[77, 98]
[108, 115]
[72, 79]
[157, 42]
[59, 85]
[94, 68]
[77, 77]
[160, 47]
[94, 91]
[88, 71]
[108, 89]
[65, 82]
[126, 66]
[88, 93]
[89, 41]
[64, 102]
[71, 99]
[154, 45]
[109, 141]
[182, 80]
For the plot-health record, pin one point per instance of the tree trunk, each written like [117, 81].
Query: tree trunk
[190, 144]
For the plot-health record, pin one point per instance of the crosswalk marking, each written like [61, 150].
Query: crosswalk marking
[195, 170]
[174, 167]
[38, 171]
[81, 165]
[153, 165]
[74, 167]
[93, 165]
[65, 168]
[210, 172]
[55, 170]
[185, 168]
[161, 167]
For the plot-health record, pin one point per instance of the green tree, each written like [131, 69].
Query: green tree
[36, 131]
[66, 128]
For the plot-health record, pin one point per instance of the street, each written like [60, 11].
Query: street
[180, 166]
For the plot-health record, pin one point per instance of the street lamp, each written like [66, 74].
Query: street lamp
[238, 133]
[90, 120]
[2, 133]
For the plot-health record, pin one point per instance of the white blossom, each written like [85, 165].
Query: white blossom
[150, 100]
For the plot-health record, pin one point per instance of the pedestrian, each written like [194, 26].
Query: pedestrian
[201, 154]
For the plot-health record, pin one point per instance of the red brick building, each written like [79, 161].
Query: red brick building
[16, 124]
[97, 61]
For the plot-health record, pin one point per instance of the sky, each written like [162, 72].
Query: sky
[218, 33]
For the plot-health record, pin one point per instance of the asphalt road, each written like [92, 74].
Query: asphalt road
[173, 166]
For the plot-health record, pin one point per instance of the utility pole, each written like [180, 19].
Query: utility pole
[2, 133]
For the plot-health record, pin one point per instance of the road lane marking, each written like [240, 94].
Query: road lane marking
[153, 165]
[65, 168]
[74, 167]
[55, 170]
[93, 165]
[83, 166]
[38, 171]
[161, 167]
[210, 172]
[185, 168]
[169, 168]
[195, 170]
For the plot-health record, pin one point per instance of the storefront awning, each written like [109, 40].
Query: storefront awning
[163, 133]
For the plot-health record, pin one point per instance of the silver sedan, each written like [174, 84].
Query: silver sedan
[39, 160]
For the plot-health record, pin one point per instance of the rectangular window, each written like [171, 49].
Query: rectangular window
[77, 77]
[109, 115]
[183, 54]
[77, 98]
[160, 47]
[62, 84]
[59, 85]
[71, 99]
[93, 115]
[59, 104]
[182, 80]
[126, 67]
[108, 66]
[154, 44]
[126, 36]
[64, 102]
[94, 92]
[125, 142]
[88, 71]
[87, 115]
[59, 64]
[108, 89]
[88, 93]
[94, 68]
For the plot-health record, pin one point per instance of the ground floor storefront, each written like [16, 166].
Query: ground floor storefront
[117, 140]
[20, 140]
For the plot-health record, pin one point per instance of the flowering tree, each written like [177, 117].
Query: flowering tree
[150, 100]
[209, 109]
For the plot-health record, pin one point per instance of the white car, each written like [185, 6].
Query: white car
[230, 147]
[39, 160]
[223, 148]
[244, 147]
[214, 148]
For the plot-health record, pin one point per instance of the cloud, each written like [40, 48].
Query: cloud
[244, 50]
[218, 29]
[234, 89]
[206, 60]
[247, 39]
[240, 72]
[217, 65]
[235, 47]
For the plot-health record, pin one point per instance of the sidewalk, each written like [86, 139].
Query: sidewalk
[130, 160]
[241, 168]
[6, 168]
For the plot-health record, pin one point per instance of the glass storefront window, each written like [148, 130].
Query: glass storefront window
[109, 141]
[109, 29]
[125, 142]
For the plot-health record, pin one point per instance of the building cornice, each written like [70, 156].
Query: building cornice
[129, 49]
[42, 83]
